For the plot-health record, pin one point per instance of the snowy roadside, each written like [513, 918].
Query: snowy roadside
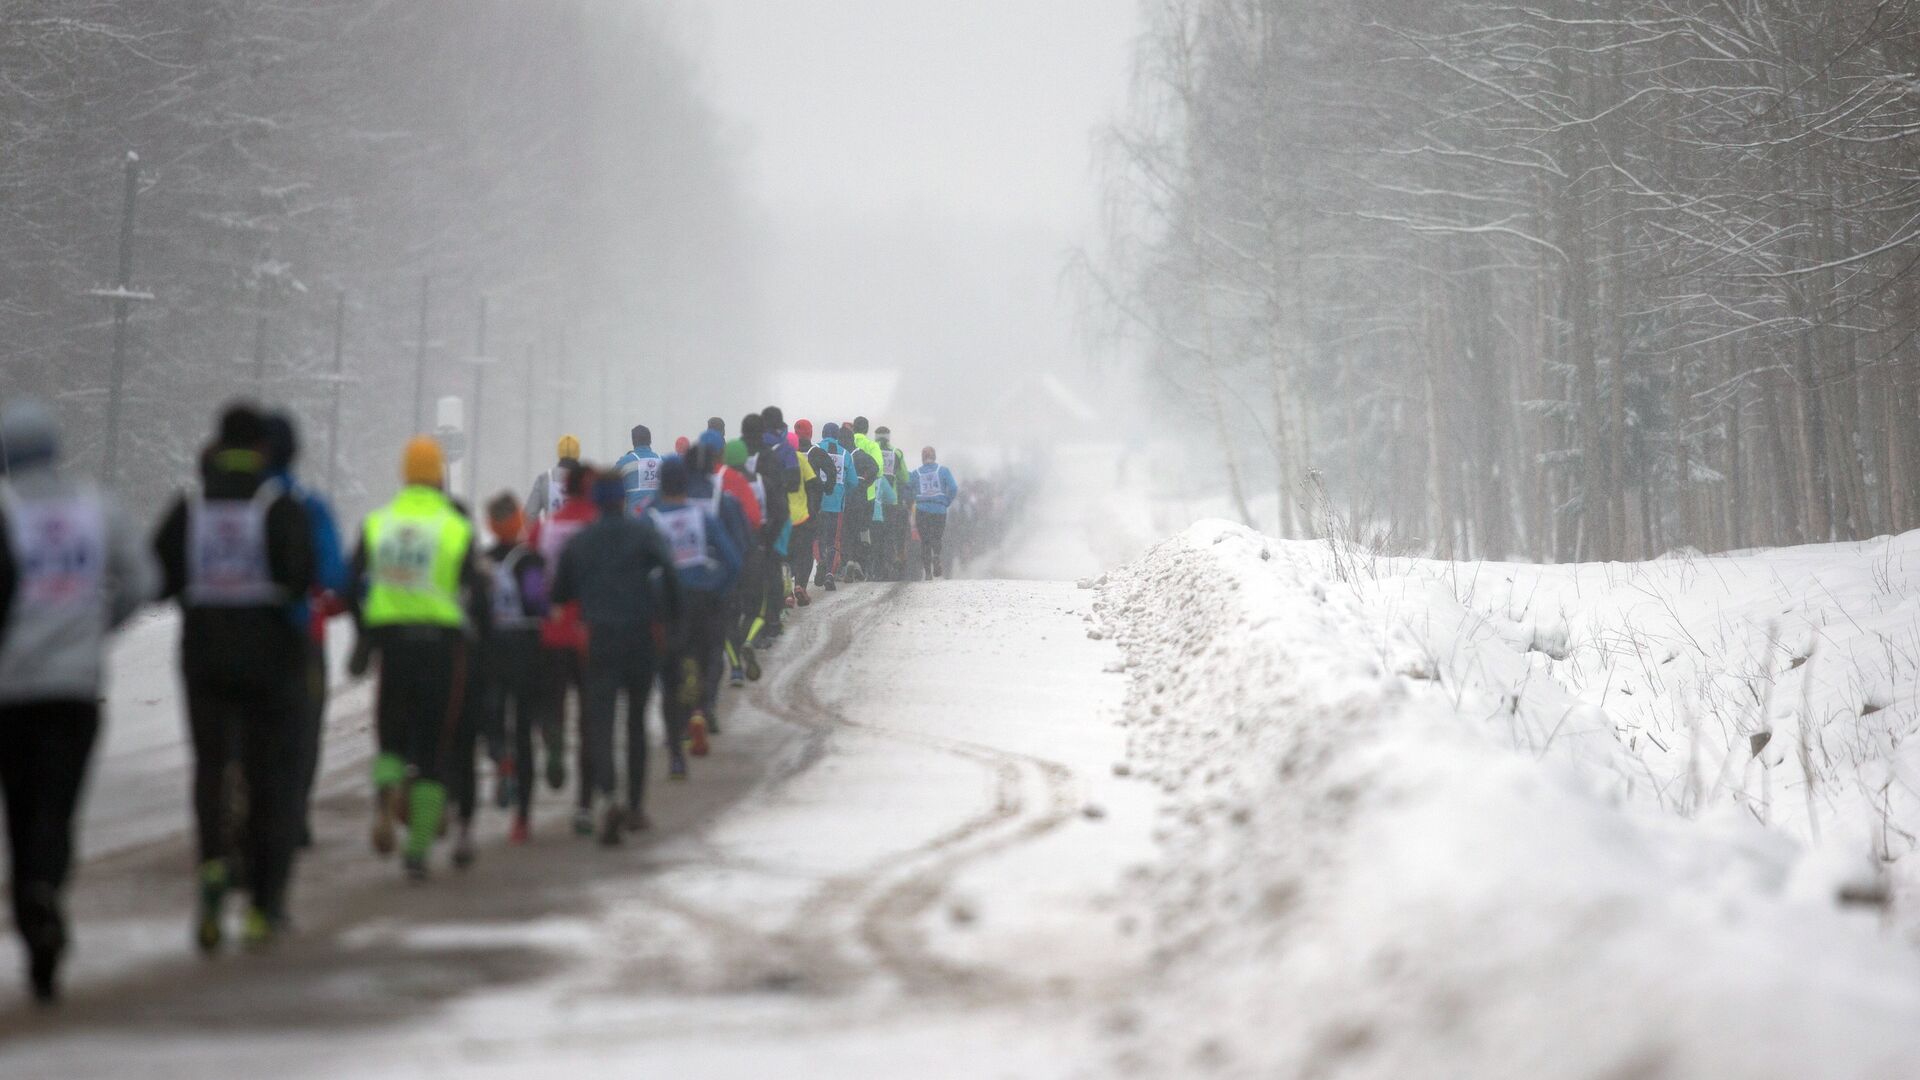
[1361, 873]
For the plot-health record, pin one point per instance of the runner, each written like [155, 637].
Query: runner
[860, 532]
[72, 569]
[238, 555]
[549, 491]
[833, 502]
[313, 612]
[516, 692]
[415, 557]
[563, 640]
[731, 477]
[934, 492]
[707, 561]
[826, 476]
[639, 471]
[893, 538]
[608, 569]
[706, 482]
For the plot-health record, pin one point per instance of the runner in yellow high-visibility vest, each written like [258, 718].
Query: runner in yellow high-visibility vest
[414, 578]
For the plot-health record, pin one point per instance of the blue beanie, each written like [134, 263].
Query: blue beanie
[713, 441]
[831, 431]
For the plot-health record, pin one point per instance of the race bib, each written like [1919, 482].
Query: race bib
[59, 551]
[227, 554]
[685, 531]
[648, 472]
[404, 557]
[930, 486]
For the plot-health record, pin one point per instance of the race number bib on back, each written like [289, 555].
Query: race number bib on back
[405, 555]
[929, 484]
[685, 531]
[60, 550]
[227, 553]
[648, 472]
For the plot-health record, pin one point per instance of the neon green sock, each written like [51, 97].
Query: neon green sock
[754, 630]
[388, 771]
[733, 658]
[427, 801]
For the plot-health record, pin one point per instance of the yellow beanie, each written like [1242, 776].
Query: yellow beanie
[422, 463]
[569, 448]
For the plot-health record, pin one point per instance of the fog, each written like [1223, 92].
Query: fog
[666, 211]
[921, 173]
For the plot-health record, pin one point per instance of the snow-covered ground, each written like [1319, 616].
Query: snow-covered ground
[1235, 806]
[1402, 838]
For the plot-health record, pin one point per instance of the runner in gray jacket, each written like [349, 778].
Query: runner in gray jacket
[72, 568]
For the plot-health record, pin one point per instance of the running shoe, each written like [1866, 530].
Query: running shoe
[611, 825]
[800, 596]
[738, 678]
[213, 898]
[520, 831]
[676, 766]
[829, 586]
[697, 735]
[416, 867]
[260, 930]
[751, 662]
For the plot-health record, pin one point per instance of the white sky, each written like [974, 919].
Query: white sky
[923, 166]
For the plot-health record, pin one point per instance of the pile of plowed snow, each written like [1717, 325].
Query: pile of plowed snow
[1363, 871]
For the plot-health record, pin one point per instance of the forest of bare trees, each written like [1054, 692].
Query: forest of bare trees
[303, 161]
[1568, 279]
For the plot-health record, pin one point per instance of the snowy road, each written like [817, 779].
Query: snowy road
[887, 863]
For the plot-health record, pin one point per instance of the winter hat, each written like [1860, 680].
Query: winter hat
[673, 476]
[737, 453]
[714, 443]
[568, 448]
[831, 431]
[803, 428]
[283, 443]
[642, 436]
[29, 434]
[242, 427]
[680, 445]
[882, 434]
[793, 440]
[422, 462]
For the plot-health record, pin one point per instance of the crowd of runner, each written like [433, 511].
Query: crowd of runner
[494, 636]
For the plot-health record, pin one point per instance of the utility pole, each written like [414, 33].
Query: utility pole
[560, 388]
[480, 361]
[420, 358]
[339, 378]
[122, 295]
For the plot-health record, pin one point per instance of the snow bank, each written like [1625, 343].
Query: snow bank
[1362, 875]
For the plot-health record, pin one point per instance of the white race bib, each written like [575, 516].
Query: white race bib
[59, 550]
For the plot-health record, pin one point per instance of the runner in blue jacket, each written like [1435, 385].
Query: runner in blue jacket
[934, 491]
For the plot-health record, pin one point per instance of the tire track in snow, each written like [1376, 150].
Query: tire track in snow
[884, 903]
